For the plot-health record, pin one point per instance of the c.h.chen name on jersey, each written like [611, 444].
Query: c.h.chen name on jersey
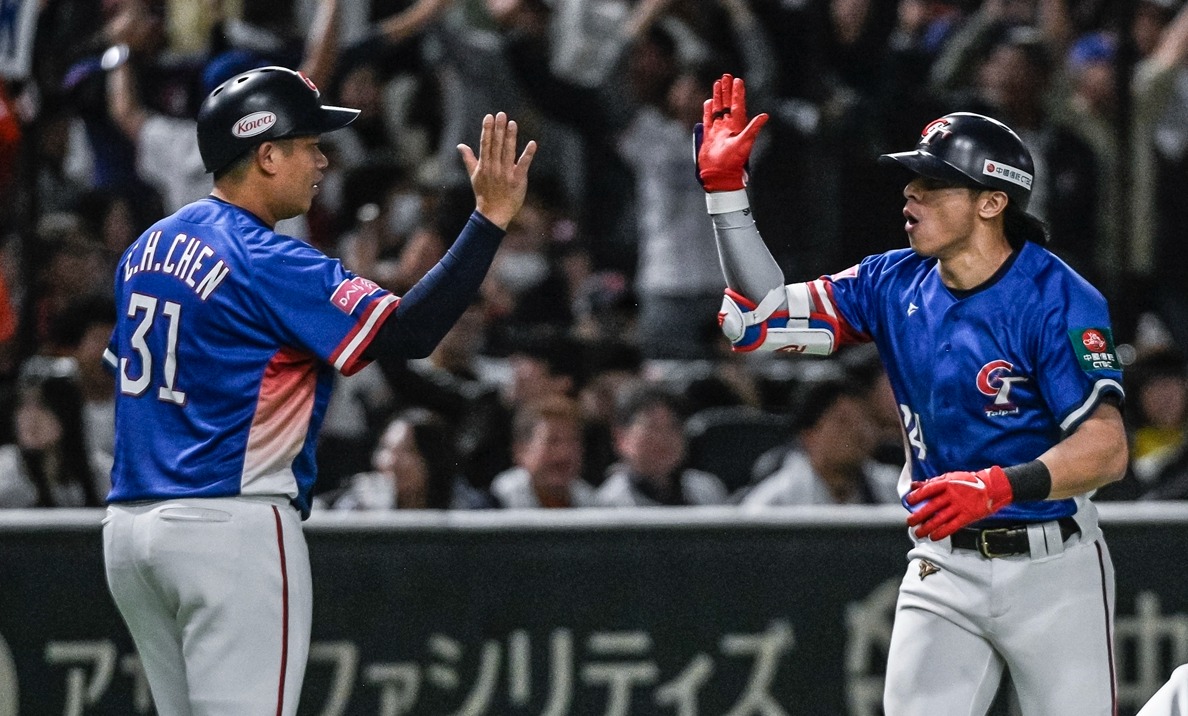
[187, 266]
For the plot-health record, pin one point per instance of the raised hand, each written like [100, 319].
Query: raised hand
[723, 140]
[499, 180]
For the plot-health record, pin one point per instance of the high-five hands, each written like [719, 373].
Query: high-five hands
[956, 499]
[723, 139]
[499, 180]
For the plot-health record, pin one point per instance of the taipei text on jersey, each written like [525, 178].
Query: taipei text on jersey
[995, 376]
[212, 291]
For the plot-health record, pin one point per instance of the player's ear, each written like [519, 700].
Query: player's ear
[266, 155]
[991, 203]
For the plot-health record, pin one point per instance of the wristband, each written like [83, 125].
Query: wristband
[724, 202]
[1030, 481]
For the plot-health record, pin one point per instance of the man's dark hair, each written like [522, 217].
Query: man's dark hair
[815, 398]
[645, 396]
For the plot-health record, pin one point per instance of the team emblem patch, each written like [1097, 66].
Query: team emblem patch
[1094, 348]
[350, 292]
[927, 568]
[937, 128]
[995, 379]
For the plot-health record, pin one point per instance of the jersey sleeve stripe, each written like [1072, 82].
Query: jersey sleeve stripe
[1100, 388]
[346, 358]
[823, 299]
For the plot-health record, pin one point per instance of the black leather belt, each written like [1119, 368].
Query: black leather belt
[1005, 541]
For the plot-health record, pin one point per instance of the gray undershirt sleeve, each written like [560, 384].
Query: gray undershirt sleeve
[747, 264]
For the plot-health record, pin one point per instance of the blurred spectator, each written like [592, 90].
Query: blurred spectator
[10, 142]
[650, 441]
[526, 289]
[69, 265]
[611, 369]
[547, 443]
[413, 467]
[1158, 395]
[81, 332]
[605, 309]
[1159, 164]
[358, 407]
[111, 220]
[49, 465]
[1091, 110]
[864, 369]
[8, 327]
[59, 183]
[829, 462]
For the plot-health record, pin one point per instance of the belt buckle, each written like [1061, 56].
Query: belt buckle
[984, 548]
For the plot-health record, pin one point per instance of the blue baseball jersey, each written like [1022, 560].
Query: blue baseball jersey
[225, 346]
[993, 376]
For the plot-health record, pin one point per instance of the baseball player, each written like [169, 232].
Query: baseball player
[225, 349]
[1002, 362]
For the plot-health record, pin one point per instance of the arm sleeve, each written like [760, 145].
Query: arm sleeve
[747, 263]
[431, 307]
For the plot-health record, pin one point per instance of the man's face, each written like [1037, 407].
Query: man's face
[553, 453]
[653, 444]
[299, 165]
[848, 430]
[940, 217]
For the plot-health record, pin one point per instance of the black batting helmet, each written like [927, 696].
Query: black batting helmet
[260, 105]
[970, 148]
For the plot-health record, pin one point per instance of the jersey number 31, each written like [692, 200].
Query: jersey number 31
[138, 303]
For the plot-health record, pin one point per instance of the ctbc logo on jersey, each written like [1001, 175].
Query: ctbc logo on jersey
[1094, 348]
[351, 291]
[936, 129]
[995, 379]
[253, 124]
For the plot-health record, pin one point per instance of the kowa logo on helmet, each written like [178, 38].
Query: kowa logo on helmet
[253, 124]
[1007, 172]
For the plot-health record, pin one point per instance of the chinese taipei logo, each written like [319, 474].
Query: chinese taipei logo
[995, 380]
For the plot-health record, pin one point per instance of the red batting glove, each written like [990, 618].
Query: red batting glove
[723, 139]
[956, 499]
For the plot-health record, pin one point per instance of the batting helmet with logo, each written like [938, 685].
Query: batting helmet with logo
[970, 148]
[261, 105]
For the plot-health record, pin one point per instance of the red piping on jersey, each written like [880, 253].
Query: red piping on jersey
[843, 332]
[284, 661]
[1105, 601]
[355, 364]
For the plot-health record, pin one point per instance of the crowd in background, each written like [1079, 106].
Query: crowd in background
[591, 370]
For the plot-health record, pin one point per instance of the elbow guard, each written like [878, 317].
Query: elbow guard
[783, 321]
